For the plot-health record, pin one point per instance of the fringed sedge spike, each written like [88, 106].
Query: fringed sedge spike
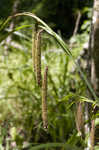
[38, 58]
[34, 34]
[44, 100]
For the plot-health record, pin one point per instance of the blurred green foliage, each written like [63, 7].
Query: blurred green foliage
[21, 98]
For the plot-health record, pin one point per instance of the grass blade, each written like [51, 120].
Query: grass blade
[54, 145]
[64, 46]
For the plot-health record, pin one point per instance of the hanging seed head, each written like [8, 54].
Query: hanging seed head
[79, 118]
[38, 57]
[34, 38]
[44, 100]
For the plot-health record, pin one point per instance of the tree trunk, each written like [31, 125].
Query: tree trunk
[94, 73]
[11, 27]
[95, 48]
[95, 62]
